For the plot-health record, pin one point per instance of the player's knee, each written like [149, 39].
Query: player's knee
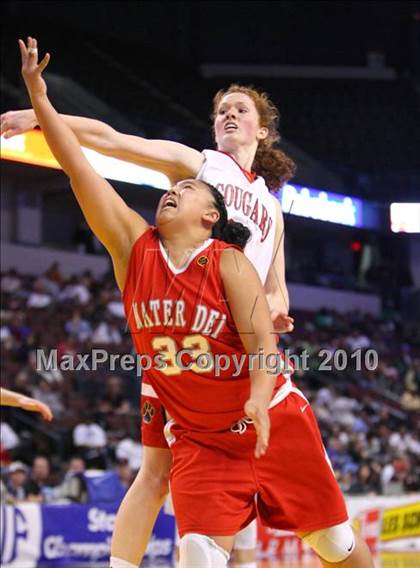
[334, 544]
[199, 551]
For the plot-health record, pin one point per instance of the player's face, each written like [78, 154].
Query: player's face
[188, 201]
[237, 123]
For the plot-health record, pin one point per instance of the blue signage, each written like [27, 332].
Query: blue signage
[34, 535]
[321, 205]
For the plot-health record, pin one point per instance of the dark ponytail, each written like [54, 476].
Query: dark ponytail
[235, 233]
[230, 232]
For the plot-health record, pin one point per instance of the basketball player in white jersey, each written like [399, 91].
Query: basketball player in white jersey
[245, 169]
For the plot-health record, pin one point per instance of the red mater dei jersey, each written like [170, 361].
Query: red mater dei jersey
[173, 310]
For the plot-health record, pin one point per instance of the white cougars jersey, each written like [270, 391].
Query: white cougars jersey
[248, 202]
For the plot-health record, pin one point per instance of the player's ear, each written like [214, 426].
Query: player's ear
[262, 133]
[211, 216]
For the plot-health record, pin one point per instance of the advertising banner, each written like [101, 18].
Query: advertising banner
[385, 523]
[35, 535]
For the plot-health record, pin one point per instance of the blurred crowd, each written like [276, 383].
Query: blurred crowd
[369, 416]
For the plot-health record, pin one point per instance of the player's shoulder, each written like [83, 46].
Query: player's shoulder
[232, 258]
[218, 158]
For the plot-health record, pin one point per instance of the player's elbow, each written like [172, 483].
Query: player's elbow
[159, 486]
[260, 341]
[100, 137]
[157, 482]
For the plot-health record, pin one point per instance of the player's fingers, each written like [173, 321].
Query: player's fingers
[263, 432]
[36, 406]
[23, 50]
[32, 49]
[44, 62]
[13, 132]
[45, 412]
[261, 445]
[4, 127]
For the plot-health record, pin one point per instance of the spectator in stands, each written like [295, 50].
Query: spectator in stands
[115, 306]
[39, 298]
[106, 333]
[37, 487]
[10, 282]
[76, 465]
[73, 486]
[75, 290]
[67, 347]
[410, 400]
[325, 319]
[125, 473]
[54, 274]
[19, 327]
[412, 376]
[114, 398]
[78, 326]
[90, 440]
[5, 335]
[16, 483]
[367, 482]
[22, 384]
[357, 340]
[131, 450]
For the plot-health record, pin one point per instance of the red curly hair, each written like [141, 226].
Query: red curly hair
[270, 163]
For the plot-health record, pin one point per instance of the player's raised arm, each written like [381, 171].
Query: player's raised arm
[11, 398]
[251, 315]
[175, 160]
[113, 222]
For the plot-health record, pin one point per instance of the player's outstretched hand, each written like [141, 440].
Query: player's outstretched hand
[31, 69]
[34, 405]
[259, 415]
[15, 122]
[281, 322]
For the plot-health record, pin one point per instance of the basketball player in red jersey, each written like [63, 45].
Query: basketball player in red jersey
[221, 459]
[245, 128]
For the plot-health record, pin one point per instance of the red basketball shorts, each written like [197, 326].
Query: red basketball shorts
[218, 485]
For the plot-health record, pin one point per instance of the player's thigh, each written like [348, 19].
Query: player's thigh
[212, 489]
[297, 490]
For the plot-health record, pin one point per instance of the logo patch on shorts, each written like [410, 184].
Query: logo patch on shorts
[148, 412]
[202, 260]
